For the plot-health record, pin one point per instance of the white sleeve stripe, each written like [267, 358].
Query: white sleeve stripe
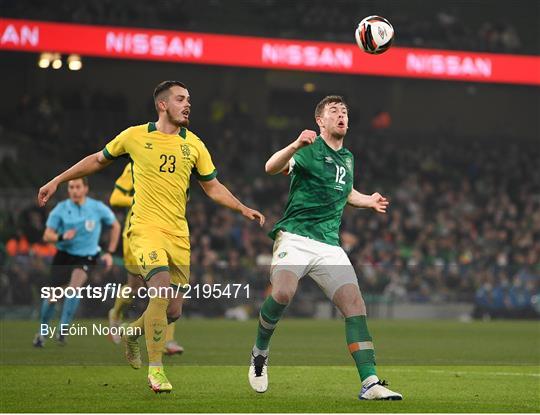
[292, 162]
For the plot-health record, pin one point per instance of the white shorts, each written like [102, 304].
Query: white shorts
[327, 265]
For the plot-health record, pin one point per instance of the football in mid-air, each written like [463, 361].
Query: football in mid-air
[374, 35]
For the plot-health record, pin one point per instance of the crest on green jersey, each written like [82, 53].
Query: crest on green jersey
[348, 163]
[282, 254]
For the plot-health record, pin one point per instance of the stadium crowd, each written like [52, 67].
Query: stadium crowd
[453, 25]
[464, 222]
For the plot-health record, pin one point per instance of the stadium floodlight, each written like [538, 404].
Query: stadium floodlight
[56, 61]
[44, 60]
[309, 87]
[74, 62]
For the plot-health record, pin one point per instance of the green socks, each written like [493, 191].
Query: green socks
[360, 345]
[271, 312]
[358, 338]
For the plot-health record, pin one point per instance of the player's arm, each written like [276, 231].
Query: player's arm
[280, 159]
[109, 219]
[88, 165]
[114, 237]
[216, 191]
[120, 198]
[375, 201]
[51, 236]
[53, 228]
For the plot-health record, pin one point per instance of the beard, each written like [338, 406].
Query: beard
[176, 121]
[339, 135]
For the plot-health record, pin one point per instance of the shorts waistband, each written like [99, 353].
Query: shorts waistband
[306, 239]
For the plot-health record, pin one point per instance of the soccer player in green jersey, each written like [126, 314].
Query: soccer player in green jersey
[307, 242]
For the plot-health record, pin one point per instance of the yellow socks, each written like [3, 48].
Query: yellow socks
[155, 328]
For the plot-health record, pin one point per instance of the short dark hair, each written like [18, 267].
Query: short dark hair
[327, 100]
[163, 87]
[84, 180]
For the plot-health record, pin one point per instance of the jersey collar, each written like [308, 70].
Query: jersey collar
[152, 127]
[75, 205]
[342, 150]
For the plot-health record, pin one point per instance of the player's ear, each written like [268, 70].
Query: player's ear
[162, 105]
[319, 122]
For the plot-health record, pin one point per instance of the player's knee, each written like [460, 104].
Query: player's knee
[355, 306]
[348, 299]
[173, 314]
[174, 311]
[356, 299]
[283, 295]
[358, 305]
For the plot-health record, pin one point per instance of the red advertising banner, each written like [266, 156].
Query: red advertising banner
[245, 51]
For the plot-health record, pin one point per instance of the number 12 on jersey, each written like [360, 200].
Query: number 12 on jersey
[340, 174]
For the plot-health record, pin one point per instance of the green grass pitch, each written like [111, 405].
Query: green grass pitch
[438, 366]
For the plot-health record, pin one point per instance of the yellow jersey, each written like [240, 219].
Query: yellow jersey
[161, 165]
[122, 195]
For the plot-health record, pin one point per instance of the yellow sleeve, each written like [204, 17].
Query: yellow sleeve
[125, 180]
[120, 199]
[117, 146]
[204, 168]
[122, 195]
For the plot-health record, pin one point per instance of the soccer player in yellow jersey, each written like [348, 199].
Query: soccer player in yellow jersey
[164, 155]
[122, 196]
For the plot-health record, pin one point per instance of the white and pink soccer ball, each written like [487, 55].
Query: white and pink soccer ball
[374, 35]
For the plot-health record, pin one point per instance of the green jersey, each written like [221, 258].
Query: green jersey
[321, 182]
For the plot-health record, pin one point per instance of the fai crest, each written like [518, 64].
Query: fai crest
[282, 254]
[152, 255]
[348, 163]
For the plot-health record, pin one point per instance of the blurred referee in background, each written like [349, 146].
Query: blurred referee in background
[75, 226]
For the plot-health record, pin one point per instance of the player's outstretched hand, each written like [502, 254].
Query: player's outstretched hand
[253, 214]
[46, 192]
[379, 203]
[305, 138]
